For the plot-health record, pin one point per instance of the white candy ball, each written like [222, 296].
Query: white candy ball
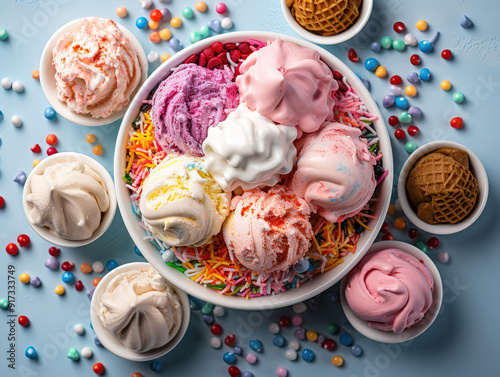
[153, 56]
[146, 3]
[6, 83]
[274, 328]
[294, 345]
[291, 355]
[86, 352]
[16, 121]
[395, 90]
[218, 311]
[98, 267]
[226, 23]
[79, 329]
[215, 343]
[397, 205]
[17, 86]
[299, 308]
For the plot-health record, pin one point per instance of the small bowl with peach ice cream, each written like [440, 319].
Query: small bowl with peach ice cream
[90, 69]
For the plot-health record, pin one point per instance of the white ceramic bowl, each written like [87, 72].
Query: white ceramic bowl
[48, 82]
[364, 14]
[420, 327]
[107, 218]
[114, 345]
[290, 297]
[478, 171]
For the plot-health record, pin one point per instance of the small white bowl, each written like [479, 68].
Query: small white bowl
[478, 171]
[420, 327]
[364, 14]
[48, 82]
[114, 345]
[108, 216]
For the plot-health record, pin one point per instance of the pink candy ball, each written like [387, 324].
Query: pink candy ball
[297, 320]
[281, 372]
[251, 358]
[221, 8]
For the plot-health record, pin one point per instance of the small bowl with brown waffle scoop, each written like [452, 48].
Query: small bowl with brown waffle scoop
[327, 22]
[443, 187]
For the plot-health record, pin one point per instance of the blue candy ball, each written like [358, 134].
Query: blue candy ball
[174, 43]
[208, 319]
[49, 113]
[30, 352]
[229, 357]
[371, 64]
[137, 251]
[256, 345]
[155, 366]
[413, 77]
[375, 46]
[307, 355]
[238, 350]
[425, 46]
[401, 103]
[97, 341]
[425, 74]
[1, 116]
[68, 277]
[356, 350]
[278, 341]
[141, 23]
[111, 264]
[247, 374]
[366, 83]
[345, 339]
[92, 327]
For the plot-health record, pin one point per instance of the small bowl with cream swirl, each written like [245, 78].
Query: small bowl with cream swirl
[393, 294]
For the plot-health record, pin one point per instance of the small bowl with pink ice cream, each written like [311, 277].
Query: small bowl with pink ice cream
[90, 69]
[393, 294]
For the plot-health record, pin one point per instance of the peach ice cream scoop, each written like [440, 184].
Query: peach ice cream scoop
[268, 231]
[97, 68]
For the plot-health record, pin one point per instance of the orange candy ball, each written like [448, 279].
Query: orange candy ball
[90, 138]
[85, 268]
[96, 281]
[51, 139]
[97, 150]
[155, 37]
[201, 6]
[400, 223]
[121, 12]
[391, 210]
[35, 74]
[153, 24]
[338, 361]
[312, 335]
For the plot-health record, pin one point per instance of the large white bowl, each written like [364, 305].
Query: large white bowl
[48, 82]
[151, 253]
[417, 329]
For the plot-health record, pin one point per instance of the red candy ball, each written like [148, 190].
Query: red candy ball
[352, 55]
[79, 285]
[155, 15]
[393, 120]
[413, 233]
[446, 54]
[399, 134]
[329, 345]
[399, 27]
[51, 151]
[23, 320]
[54, 251]
[413, 130]
[98, 368]
[2, 202]
[233, 371]
[23, 240]
[285, 321]
[415, 59]
[457, 122]
[433, 242]
[387, 237]
[396, 80]
[11, 249]
[216, 329]
[67, 266]
[384, 228]
[36, 149]
[230, 340]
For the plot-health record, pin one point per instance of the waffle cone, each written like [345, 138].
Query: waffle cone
[441, 187]
[326, 17]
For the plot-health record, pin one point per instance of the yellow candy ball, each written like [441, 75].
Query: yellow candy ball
[422, 25]
[59, 290]
[176, 22]
[400, 223]
[98, 150]
[165, 34]
[391, 210]
[36, 162]
[381, 71]
[164, 57]
[312, 335]
[25, 278]
[445, 85]
[121, 12]
[337, 360]
[153, 24]
[90, 138]
[411, 91]
[201, 6]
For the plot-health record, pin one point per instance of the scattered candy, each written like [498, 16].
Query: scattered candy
[247, 374]
[6, 83]
[285, 321]
[4, 303]
[208, 319]
[256, 345]
[17, 86]
[165, 13]
[328, 344]
[425, 46]
[201, 6]
[446, 54]
[251, 358]
[155, 38]
[164, 57]
[345, 339]
[216, 329]
[207, 308]
[458, 97]
[399, 27]
[434, 37]
[2, 202]
[415, 112]
[278, 341]
[238, 350]
[387, 101]
[399, 134]
[187, 12]
[433, 242]
[381, 71]
[294, 345]
[30, 353]
[297, 320]
[23, 320]
[375, 46]
[174, 43]
[68, 277]
[421, 245]
[457, 122]
[24, 278]
[391, 210]
[52, 263]
[425, 74]
[411, 91]
[413, 77]
[356, 350]
[401, 103]
[412, 233]
[398, 44]
[395, 80]
[111, 264]
[230, 340]
[393, 120]
[229, 358]
[415, 59]
[98, 368]
[215, 26]
[165, 34]
[59, 290]
[371, 64]
[410, 40]
[233, 371]
[85, 268]
[204, 31]
[141, 23]
[35, 281]
[386, 42]
[35, 74]
[67, 266]
[73, 354]
[465, 22]
[121, 12]
[155, 366]
[51, 151]
[16, 121]
[352, 55]
[23, 240]
[421, 25]
[98, 150]
[413, 130]
[274, 328]
[153, 25]
[337, 360]
[155, 15]
[146, 4]
[36, 162]
[307, 355]
[445, 85]
[194, 37]
[397, 205]
[221, 8]
[96, 281]
[54, 251]
[20, 178]
[79, 285]
[281, 372]
[97, 342]
[443, 257]
[215, 343]
[176, 22]
[291, 354]
[79, 329]
[51, 139]
[399, 223]
[226, 23]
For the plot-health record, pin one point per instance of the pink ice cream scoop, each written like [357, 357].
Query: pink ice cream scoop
[289, 84]
[187, 103]
[334, 172]
[391, 289]
[97, 68]
[268, 231]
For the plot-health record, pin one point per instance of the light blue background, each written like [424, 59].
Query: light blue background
[463, 339]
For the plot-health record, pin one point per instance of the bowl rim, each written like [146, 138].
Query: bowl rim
[106, 219]
[47, 80]
[152, 254]
[478, 170]
[350, 32]
[114, 345]
[417, 329]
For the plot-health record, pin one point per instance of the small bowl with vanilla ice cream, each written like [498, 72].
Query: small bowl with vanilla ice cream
[69, 199]
[137, 314]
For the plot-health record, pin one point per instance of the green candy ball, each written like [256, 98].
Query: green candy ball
[73, 354]
[187, 12]
[421, 245]
[333, 328]
[398, 45]
[411, 147]
[207, 308]
[458, 97]
[386, 42]
[3, 34]
[194, 37]
[4, 303]
[405, 118]
[204, 31]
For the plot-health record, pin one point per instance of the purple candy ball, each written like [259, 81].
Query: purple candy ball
[90, 293]
[300, 333]
[35, 281]
[166, 14]
[443, 257]
[413, 77]
[388, 101]
[52, 263]
[415, 111]
[313, 303]
[321, 339]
